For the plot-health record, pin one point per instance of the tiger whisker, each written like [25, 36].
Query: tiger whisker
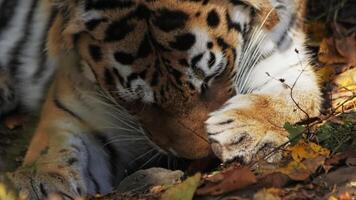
[124, 140]
[150, 160]
[250, 56]
[143, 155]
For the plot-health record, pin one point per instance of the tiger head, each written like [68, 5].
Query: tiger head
[169, 62]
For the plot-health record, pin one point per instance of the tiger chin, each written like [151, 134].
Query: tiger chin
[136, 79]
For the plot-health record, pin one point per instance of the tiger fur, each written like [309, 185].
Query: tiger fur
[138, 78]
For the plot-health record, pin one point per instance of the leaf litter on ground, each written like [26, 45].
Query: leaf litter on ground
[230, 179]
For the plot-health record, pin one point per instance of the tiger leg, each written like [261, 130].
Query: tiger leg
[60, 156]
[252, 124]
[63, 156]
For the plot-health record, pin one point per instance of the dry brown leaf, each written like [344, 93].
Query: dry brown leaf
[266, 195]
[335, 160]
[300, 171]
[14, 121]
[275, 179]
[345, 89]
[346, 47]
[307, 158]
[348, 157]
[328, 53]
[231, 179]
[345, 196]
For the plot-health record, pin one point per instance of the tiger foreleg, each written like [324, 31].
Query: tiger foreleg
[251, 125]
[63, 157]
[56, 170]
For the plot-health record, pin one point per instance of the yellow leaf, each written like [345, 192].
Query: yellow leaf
[347, 79]
[328, 54]
[332, 198]
[184, 190]
[5, 194]
[307, 157]
[319, 149]
[304, 150]
[344, 96]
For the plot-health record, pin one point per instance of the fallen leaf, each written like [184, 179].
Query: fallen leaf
[307, 157]
[346, 47]
[275, 179]
[300, 171]
[5, 193]
[304, 150]
[184, 190]
[351, 161]
[335, 160]
[332, 198]
[14, 121]
[265, 195]
[328, 53]
[295, 132]
[231, 179]
[339, 177]
[319, 149]
[345, 196]
[345, 89]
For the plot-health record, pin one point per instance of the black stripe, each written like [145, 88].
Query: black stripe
[7, 12]
[61, 106]
[43, 190]
[16, 51]
[108, 4]
[42, 52]
[285, 36]
[231, 24]
[92, 24]
[195, 60]
[92, 178]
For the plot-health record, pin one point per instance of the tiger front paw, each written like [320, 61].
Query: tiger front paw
[41, 185]
[241, 130]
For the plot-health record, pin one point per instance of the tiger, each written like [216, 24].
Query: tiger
[115, 81]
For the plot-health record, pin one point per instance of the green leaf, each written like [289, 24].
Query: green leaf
[295, 132]
[324, 133]
[184, 190]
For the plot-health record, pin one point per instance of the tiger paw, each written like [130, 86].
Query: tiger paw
[241, 130]
[36, 185]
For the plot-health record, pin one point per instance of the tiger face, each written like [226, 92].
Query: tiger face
[170, 63]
